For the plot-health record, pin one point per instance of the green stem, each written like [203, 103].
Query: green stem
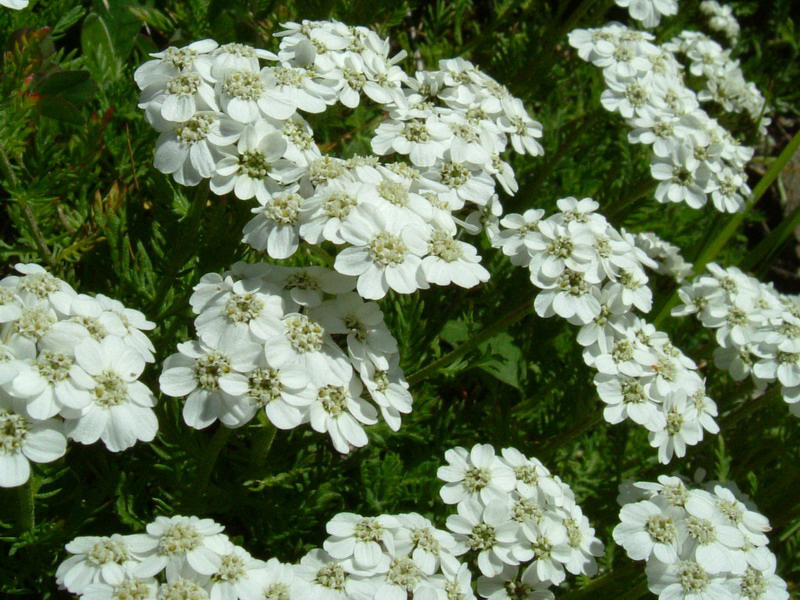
[487, 333]
[590, 422]
[26, 505]
[262, 442]
[639, 191]
[610, 579]
[712, 249]
[210, 456]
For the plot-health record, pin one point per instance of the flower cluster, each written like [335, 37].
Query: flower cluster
[69, 368]
[667, 256]
[720, 18]
[649, 12]
[519, 523]
[511, 511]
[698, 543]
[295, 342]
[757, 328]
[224, 117]
[593, 276]
[693, 156]
[724, 80]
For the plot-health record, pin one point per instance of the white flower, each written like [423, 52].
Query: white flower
[275, 229]
[383, 254]
[209, 376]
[509, 585]
[236, 577]
[257, 169]
[424, 140]
[489, 531]
[474, 474]
[428, 547]
[95, 560]
[184, 546]
[684, 580]
[649, 528]
[321, 577]
[367, 542]
[277, 581]
[368, 337]
[244, 308]
[15, 4]
[50, 382]
[120, 408]
[547, 547]
[299, 340]
[338, 410]
[134, 588]
[23, 440]
[452, 261]
[191, 150]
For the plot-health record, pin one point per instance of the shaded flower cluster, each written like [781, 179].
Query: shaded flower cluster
[724, 80]
[693, 156]
[757, 328]
[667, 256]
[297, 343]
[593, 276]
[69, 368]
[698, 543]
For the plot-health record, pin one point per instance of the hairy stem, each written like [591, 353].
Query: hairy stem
[221, 436]
[26, 507]
[262, 442]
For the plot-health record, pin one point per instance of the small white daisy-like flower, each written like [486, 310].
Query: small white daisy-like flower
[489, 531]
[119, 410]
[477, 473]
[367, 542]
[339, 411]
[383, 255]
[209, 375]
[23, 440]
[95, 560]
[184, 546]
[321, 577]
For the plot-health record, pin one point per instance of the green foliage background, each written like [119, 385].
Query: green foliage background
[80, 196]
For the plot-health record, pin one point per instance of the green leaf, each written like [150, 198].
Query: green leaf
[98, 49]
[63, 93]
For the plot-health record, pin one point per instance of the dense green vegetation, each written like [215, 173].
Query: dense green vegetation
[80, 196]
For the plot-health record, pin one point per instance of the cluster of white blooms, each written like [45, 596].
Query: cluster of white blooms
[519, 524]
[757, 328]
[593, 276]
[698, 543]
[649, 12]
[720, 18]
[693, 156]
[178, 558]
[298, 343]
[667, 256]
[224, 117]
[69, 368]
[724, 81]
[511, 512]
